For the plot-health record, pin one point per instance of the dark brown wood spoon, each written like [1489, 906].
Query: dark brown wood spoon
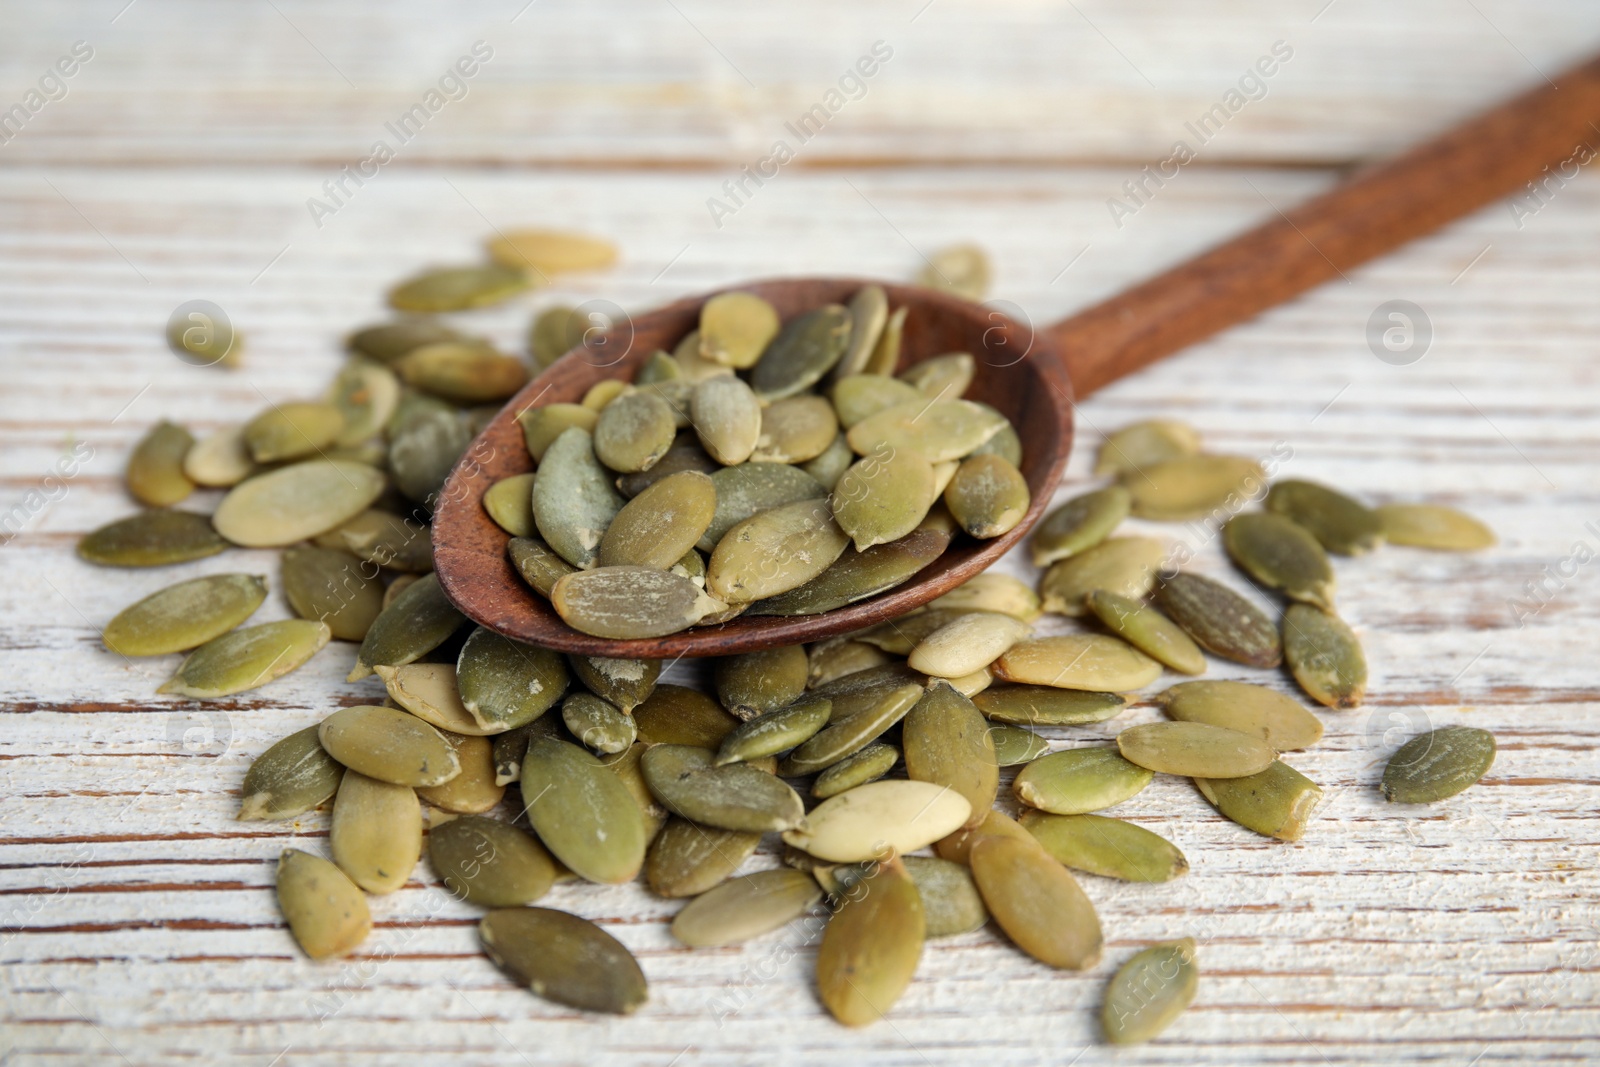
[1033, 376]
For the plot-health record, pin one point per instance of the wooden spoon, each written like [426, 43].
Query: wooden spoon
[1024, 372]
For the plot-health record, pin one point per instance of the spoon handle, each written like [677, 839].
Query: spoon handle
[1555, 128]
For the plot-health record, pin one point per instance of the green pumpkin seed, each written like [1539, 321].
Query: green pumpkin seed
[634, 432]
[830, 660]
[660, 525]
[388, 540]
[413, 408]
[871, 946]
[1220, 621]
[541, 426]
[686, 859]
[966, 644]
[602, 393]
[746, 490]
[1195, 749]
[1250, 709]
[1275, 803]
[473, 791]
[552, 251]
[625, 766]
[1325, 656]
[1078, 661]
[947, 743]
[1340, 524]
[1149, 992]
[869, 820]
[745, 908]
[945, 376]
[900, 636]
[1016, 745]
[627, 603]
[598, 725]
[430, 692]
[735, 328]
[795, 429]
[457, 289]
[988, 496]
[1108, 847]
[1006, 444]
[490, 863]
[1123, 565]
[1079, 525]
[693, 366]
[333, 587]
[1280, 555]
[156, 475]
[573, 499]
[775, 731]
[627, 683]
[463, 372]
[295, 503]
[388, 744]
[418, 621]
[220, 461]
[1079, 780]
[805, 350]
[886, 353]
[883, 497]
[938, 429]
[732, 797]
[862, 690]
[857, 575]
[951, 904]
[366, 395]
[861, 396]
[727, 418]
[774, 551]
[565, 959]
[292, 431]
[1145, 444]
[957, 848]
[754, 683]
[1438, 764]
[685, 454]
[375, 833]
[1046, 705]
[292, 777]
[1193, 487]
[505, 683]
[185, 615]
[247, 659]
[867, 765]
[1037, 902]
[831, 464]
[582, 812]
[325, 911]
[391, 340]
[992, 591]
[962, 269]
[1433, 526]
[555, 331]
[677, 715]
[1148, 630]
[883, 708]
[509, 503]
[539, 566]
[869, 313]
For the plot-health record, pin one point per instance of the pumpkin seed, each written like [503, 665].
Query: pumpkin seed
[388, 540]
[634, 432]
[541, 426]
[1193, 487]
[366, 396]
[182, 616]
[1149, 992]
[430, 692]
[505, 683]
[1079, 780]
[625, 766]
[1045, 705]
[325, 911]
[846, 736]
[774, 551]
[745, 908]
[422, 456]
[861, 396]
[573, 498]
[1037, 902]
[871, 946]
[831, 464]
[292, 777]
[220, 461]
[947, 743]
[662, 524]
[883, 497]
[413, 408]
[376, 832]
[735, 328]
[1145, 444]
[1280, 555]
[555, 331]
[1014, 745]
[900, 636]
[694, 367]
[869, 313]
[870, 820]
[627, 683]
[296, 502]
[1148, 630]
[1277, 802]
[582, 812]
[391, 340]
[463, 372]
[941, 376]
[1123, 565]
[565, 959]
[332, 587]
[1325, 656]
[962, 269]
[539, 566]
[732, 797]
[474, 790]
[509, 503]
[1339, 524]
[862, 690]
[750, 488]
[292, 431]
[758, 682]
[418, 621]
[627, 603]
[992, 591]
[1108, 847]
[685, 859]
[685, 454]
[939, 429]
[490, 863]
[247, 659]
[598, 725]
[1078, 661]
[155, 470]
[795, 429]
[457, 289]
[830, 660]
[968, 685]
[1006, 444]
[602, 393]
[958, 846]
[968, 643]
[1438, 764]
[727, 417]
[950, 901]
[677, 715]
[886, 353]
[1220, 621]
[1195, 749]
[388, 744]
[857, 575]
[774, 731]
[552, 251]
[988, 496]
[1079, 525]
[806, 348]
[1433, 526]
[867, 765]
[1250, 709]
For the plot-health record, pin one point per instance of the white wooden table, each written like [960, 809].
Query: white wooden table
[139, 921]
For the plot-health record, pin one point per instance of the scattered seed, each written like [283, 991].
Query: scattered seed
[156, 475]
[1220, 620]
[1193, 487]
[1108, 847]
[732, 797]
[880, 709]
[1325, 656]
[490, 863]
[1037, 902]
[1078, 661]
[325, 911]
[867, 765]
[388, 540]
[1195, 749]
[597, 724]
[687, 859]
[1046, 705]
[391, 340]
[1280, 555]
[457, 289]
[565, 959]
[1014, 745]
[552, 251]
[758, 682]
[1079, 780]
[1149, 992]
[582, 812]
[220, 461]
[627, 683]
[505, 683]
[1125, 566]
[376, 832]
[295, 503]
[1341, 524]
[966, 644]
[947, 743]
[746, 907]
[1250, 709]
[1433, 526]
[334, 587]
[958, 846]
[1438, 764]
[871, 946]
[430, 692]
[388, 744]
[291, 778]
[474, 790]
[961, 269]
[828, 661]
[247, 659]
[1145, 444]
[1277, 802]
[418, 621]
[292, 431]
[185, 615]
[366, 395]
[152, 539]
[1148, 630]
[677, 715]
[868, 821]
[951, 904]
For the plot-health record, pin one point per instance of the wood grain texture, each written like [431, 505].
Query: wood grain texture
[139, 923]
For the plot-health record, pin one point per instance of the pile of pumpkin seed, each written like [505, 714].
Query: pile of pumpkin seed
[516, 767]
